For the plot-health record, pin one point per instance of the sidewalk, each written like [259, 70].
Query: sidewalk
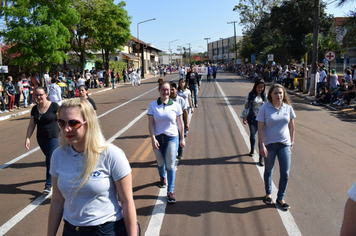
[22, 111]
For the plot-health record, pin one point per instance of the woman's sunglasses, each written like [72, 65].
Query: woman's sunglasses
[74, 124]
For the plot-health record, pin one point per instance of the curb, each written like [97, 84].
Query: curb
[12, 115]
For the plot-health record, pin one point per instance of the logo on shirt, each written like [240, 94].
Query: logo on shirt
[96, 174]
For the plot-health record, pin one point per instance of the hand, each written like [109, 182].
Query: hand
[244, 120]
[198, 87]
[263, 151]
[192, 109]
[155, 143]
[182, 142]
[187, 127]
[27, 143]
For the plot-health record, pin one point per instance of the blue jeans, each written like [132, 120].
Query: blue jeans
[110, 228]
[48, 146]
[208, 77]
[113, 83]
[2, 103]
[25, 96]
[253, 132]
[194, 89]
[166, 158]
[283, 153]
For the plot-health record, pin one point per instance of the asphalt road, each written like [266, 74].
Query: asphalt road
[219, 188]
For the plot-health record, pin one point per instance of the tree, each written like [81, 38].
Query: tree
[350, 37]
[38, 31]
[253, 11]
[112, 30]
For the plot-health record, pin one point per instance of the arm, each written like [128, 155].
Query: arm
[245, 111]
[190, 103]
[263, 149]
[181, 130]
[291, 127]
[55, 210]
[186, 117]
[124, 189]
[151, 129]
[30, 129]
[348, 225]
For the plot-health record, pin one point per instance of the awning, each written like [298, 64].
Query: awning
[130, 57]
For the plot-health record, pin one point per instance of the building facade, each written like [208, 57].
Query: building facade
[219, 52]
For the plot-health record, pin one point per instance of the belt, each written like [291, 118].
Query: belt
[84, 228]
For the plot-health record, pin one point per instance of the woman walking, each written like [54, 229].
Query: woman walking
[276, 137]
[90, 176]
[254, 100]
[44, 116]
[163, 117]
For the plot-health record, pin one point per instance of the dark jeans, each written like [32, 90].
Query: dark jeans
[17, 99]
[253, 131]
[110, 228]
[48, 146]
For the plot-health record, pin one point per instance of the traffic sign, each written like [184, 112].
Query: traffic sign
[330, 56]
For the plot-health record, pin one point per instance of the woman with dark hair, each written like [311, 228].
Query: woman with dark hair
[83, 93]
[44, 116]
[276, 137]
[10, 91]
[254, 100]
[164, 116]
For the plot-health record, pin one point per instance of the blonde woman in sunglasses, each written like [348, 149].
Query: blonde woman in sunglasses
[89, 177]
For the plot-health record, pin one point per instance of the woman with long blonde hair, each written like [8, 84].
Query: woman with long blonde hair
[89, 177]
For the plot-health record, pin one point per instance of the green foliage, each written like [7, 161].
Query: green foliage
[117, 65]
[112, 29]
[350, 37]
[38, 31]
[283, 32]
[252, 11]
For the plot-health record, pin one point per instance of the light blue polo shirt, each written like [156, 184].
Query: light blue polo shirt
[276, 123]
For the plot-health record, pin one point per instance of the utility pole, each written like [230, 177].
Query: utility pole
[189, 53]
[315, 47]
[207, 46]
[234, 22]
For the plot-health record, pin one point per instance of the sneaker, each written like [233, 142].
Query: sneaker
[284, 206]
[47, 189]
[0, 112]
[180, 157]
[335, 103]
[261, 161]
[267, 200]
[346, 106]
[5, 111]
[162, 183]
[171, 198]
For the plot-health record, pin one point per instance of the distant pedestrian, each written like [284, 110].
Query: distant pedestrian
[54, 94]
[193, 83]
[276, 136]
[10, 91]
[215, 71]
[113, 78]
[208, 76]
[83, 93]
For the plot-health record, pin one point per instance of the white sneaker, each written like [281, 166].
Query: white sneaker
[335, 103]
[0, 112]
[5, 111]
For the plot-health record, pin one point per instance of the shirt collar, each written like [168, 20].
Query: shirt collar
[159, 102]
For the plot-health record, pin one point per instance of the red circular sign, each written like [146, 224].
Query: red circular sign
[330, 56]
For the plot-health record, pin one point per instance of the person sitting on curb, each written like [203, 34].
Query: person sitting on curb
[324, 97]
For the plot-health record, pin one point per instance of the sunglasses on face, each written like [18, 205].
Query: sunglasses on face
[74, 124]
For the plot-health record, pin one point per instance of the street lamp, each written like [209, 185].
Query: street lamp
[169, 49]
[234, 22]
[138, 38]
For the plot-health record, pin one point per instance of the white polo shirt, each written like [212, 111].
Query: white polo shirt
[165, 117]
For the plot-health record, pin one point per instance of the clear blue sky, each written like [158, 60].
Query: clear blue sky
[191, 21]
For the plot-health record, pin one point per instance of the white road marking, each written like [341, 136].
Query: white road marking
[38, 201]
[286, 216]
